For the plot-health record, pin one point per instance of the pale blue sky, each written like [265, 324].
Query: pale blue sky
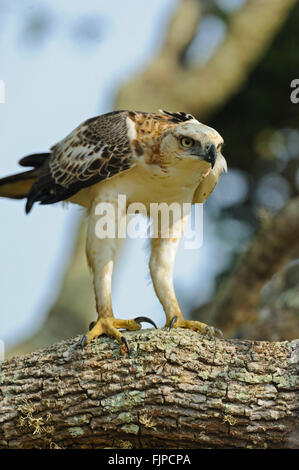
[49, 90]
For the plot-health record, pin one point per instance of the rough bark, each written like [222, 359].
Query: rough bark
[237, 299]
[177, 389]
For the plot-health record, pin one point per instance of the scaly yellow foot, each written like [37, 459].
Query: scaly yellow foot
[176, 322]
[109, 326]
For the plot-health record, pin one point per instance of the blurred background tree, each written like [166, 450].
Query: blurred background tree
[230, 63]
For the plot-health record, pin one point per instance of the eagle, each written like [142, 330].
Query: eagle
[164, 157]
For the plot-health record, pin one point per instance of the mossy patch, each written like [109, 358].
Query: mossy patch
[123, 401]
[76, 431]
[130, 428]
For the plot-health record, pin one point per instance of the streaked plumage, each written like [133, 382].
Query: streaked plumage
[145, 156]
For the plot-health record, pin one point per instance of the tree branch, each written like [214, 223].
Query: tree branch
[176, 387]
[167, 84]
[181, 31]
[237, 299]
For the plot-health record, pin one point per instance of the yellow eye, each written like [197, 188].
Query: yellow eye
[219, 147]
[186, 142]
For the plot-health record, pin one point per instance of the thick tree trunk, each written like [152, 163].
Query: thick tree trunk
[178, 389]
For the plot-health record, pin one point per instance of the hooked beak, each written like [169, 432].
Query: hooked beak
[210, 155]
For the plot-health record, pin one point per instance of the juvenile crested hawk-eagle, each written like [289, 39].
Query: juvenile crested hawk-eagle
[148, 157]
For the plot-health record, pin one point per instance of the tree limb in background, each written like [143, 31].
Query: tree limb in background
[237, 299]
[177, 389]
[168, 84]
[278, 308]
[180, 32]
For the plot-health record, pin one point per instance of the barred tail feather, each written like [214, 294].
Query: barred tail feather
[18, 186]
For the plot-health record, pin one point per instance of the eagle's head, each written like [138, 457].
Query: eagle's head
[192, 140]
[175, 143]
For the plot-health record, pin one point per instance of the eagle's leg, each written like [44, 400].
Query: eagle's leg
[100, 255]
[161, 268]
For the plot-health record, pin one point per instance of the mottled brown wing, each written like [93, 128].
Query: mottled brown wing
[97, 148]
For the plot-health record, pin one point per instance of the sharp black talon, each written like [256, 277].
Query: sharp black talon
[91, 325]
[82, 342]
[172, 322]
[123, 339]
[145, 319]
